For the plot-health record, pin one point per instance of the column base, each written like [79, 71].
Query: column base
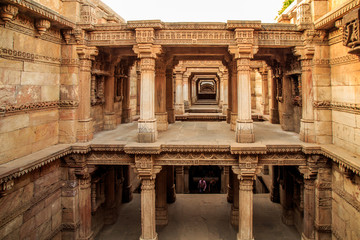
[85, 130]
[162, 121]
[155, 238]
[307, 131]
[161, 216]
[240, 238]
[186, 105]
[126, 115]
[245, 131]
[109, 121]
[234, 216]
[274, 116]
[233, 118]
[147, 132]
[179, 109]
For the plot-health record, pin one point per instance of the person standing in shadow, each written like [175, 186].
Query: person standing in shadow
[202, 185]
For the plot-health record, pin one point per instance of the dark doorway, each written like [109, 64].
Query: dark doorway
[212, 176]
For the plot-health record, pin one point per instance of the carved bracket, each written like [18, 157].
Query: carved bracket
[351, 33]
[8, 12]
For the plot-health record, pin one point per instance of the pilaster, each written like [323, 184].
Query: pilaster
[186, 91]
[85, 231]
[307, 126]
[171, 193]
[147, 125]
[179, 179]
[265, 93]
[109, 117]
[179, 95]
[85, 129]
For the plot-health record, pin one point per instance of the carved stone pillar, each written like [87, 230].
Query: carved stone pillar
[126, 110]
[179, 95]
[186, 179]
[309, 203]
[160, 99]
[161, 204]
[245, 208]
[179, 179]
[224, 179]
[242, 54]
[265, 92]
[127, 186]
[234, 97]
[85, 231]
[235, 205]
[286, 197]
[225, 89]
[147, 129]
[147, 173]
[85, 129]
[186, 91]
[275, 193]
[110, 198]
[170, 96]
[138, 90]
[274, 105]
[171, 195]
[110, 117]
[230, 195]
[307, 126]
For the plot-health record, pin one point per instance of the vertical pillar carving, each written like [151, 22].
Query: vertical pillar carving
[225, 89]
[242, 54]
[138, 90]
[126, 110]
[110, 198]
[235, 204]
[127, 186]
[186, 179]
[307, 126]
[234, 97]
[186, 91]
[274, 105]
[224, 179]
[147, 173]
[170, 96]
[265, 93]
[109, 118]
[161, 204]
[85, 231]
[179, 95]
[160, 99]
[171, 195]
[179, 179]
[85, 125]
[147, 129]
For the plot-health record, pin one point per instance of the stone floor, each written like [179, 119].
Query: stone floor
[201, 217]
[206, 133]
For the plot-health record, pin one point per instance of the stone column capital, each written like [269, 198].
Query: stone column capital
[147, 50]
[87, 53]
[304, 52]
[144, 167]
[241, 51]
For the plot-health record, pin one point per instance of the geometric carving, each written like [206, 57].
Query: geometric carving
[351, 33]
[109, 158]
[224, 159]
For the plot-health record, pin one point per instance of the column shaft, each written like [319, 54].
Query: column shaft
[235, 204]
[85, 232]
[171, 195]
[265, 92]
[179, 179]
[179, 95]
[127, 186]
[160, 203]
[309, 210]
[160, 99]
[186, 91]
[109, 118]
[170, 96]
[111, 210]
[148, 224]
[245, 209]
[274, 105]
[244, 122]
[147, 123]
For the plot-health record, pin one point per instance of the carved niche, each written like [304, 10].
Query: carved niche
[351, 35]
[121, 75]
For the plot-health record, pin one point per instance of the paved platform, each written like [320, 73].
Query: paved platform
[201, 217]
[207, 133]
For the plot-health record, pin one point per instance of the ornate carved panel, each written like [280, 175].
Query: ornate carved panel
[294, 159]
[351, 33]
[277, 38]
[105, 38]
[219, 37]
[109, 158]
[224, 159]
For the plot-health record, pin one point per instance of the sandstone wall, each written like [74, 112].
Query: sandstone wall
[345, 205]
[345, 93]
[29, 93]
[32, 209]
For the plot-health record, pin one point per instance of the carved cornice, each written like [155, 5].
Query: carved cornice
[40, 11]
[13, 108]
[233, 24]
[336, 106]
[328, 20]
[343, 161]
[195, 148]
[156, 24]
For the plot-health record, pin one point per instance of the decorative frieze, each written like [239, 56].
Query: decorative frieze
[196, 159]
[279, 38]
[341, 107]
[26, 56]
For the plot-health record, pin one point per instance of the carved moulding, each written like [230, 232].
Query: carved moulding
[26, 56]
[112, 158]
[193, 158]
[13, 108]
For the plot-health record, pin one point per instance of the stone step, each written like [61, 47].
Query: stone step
[208, 118]
[204, 110]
